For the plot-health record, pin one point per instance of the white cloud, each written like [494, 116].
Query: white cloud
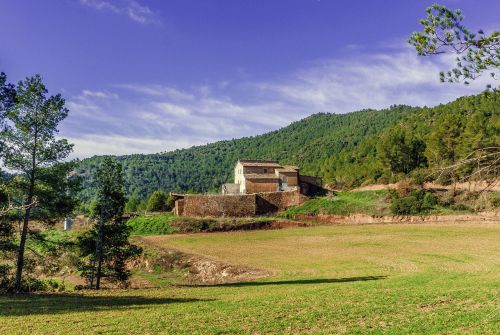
[131, 8]
[172, 110]
[158, 91]
[371, 81]
[134, 118]
[98, 94]
[100, 5]
[93, 144]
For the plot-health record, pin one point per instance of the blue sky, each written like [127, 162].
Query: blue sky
[148, 76]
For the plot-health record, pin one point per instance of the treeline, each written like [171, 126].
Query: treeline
[348, 150]
[428, 143]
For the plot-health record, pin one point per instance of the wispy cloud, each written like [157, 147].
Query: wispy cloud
[130, 8]
[132, 118]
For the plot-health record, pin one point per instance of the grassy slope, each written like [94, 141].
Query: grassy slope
[168, 223]
[345, 203]
[381, 279]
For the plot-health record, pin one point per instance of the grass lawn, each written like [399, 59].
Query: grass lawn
[377, 279]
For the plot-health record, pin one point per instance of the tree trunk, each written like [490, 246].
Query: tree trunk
[24, 233]
[99, 252]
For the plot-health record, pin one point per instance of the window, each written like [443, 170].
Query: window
[265, 170]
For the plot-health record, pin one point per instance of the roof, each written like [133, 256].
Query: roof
[293, 167]
[256, 162]
[268, 176]
[286, 169]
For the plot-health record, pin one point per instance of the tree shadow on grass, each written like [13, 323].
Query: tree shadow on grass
[30, 304]
[297, 282]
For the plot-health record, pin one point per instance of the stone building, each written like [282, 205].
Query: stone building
[257, 176]
[260, 187]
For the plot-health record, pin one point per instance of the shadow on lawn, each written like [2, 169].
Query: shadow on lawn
[28, 304]
[298, 281]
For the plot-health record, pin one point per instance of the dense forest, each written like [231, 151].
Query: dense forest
[347, 150]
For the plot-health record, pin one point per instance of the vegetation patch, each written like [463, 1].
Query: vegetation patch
[159, 224]
[168, 223]
[344, 203]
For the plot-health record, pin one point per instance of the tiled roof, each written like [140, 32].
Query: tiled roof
[269, 176]
[263, 164]
[293, 167]
[286, 169]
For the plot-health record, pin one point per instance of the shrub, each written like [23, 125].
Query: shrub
[460, 207]
[495, 199]
[132, 204]
[170, 202]
[411, 204]
[429, 201]
[406, 205]
[157, 202]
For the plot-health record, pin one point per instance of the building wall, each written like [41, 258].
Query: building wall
[220, 205]
[278, 201]
[238, 174]
[256, 186]
[291, 178]
[237, 205]
[258, 169]
[179, 207]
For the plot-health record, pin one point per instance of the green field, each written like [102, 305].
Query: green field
[377, 279]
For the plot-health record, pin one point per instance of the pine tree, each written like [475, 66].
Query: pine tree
[106, 247]
[29, 144]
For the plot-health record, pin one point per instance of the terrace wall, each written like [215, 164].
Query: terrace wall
[220, 205]
[237, 205]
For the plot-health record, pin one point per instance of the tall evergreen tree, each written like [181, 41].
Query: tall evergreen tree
[105, 248]
[29, 144]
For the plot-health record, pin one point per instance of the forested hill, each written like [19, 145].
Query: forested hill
[344, 149]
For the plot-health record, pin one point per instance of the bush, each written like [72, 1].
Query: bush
[460, 207]
[406, 206]
[429, 201]
[170, 202]
[495, 199]
[132, 204]
[157, 202]
[410, 204]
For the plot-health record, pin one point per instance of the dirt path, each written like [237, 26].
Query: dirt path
[472, 186]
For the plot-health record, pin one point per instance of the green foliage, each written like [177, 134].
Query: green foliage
[152, 225]
[343, 203]
[429, 201]
[345, 150]
[28, 127]
[418, 201]
[170, 203]
[409, 205]
[168, 223]
[444, 33]
[402, 151]
[132, 204]
[105, 248]
[157, 202]
[313, 143]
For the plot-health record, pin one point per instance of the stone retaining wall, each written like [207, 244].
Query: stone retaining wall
[237, 205]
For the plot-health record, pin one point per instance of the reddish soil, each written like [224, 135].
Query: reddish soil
[364, 218]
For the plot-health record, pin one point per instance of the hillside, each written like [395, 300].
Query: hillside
[205, 168]
[349, 149]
